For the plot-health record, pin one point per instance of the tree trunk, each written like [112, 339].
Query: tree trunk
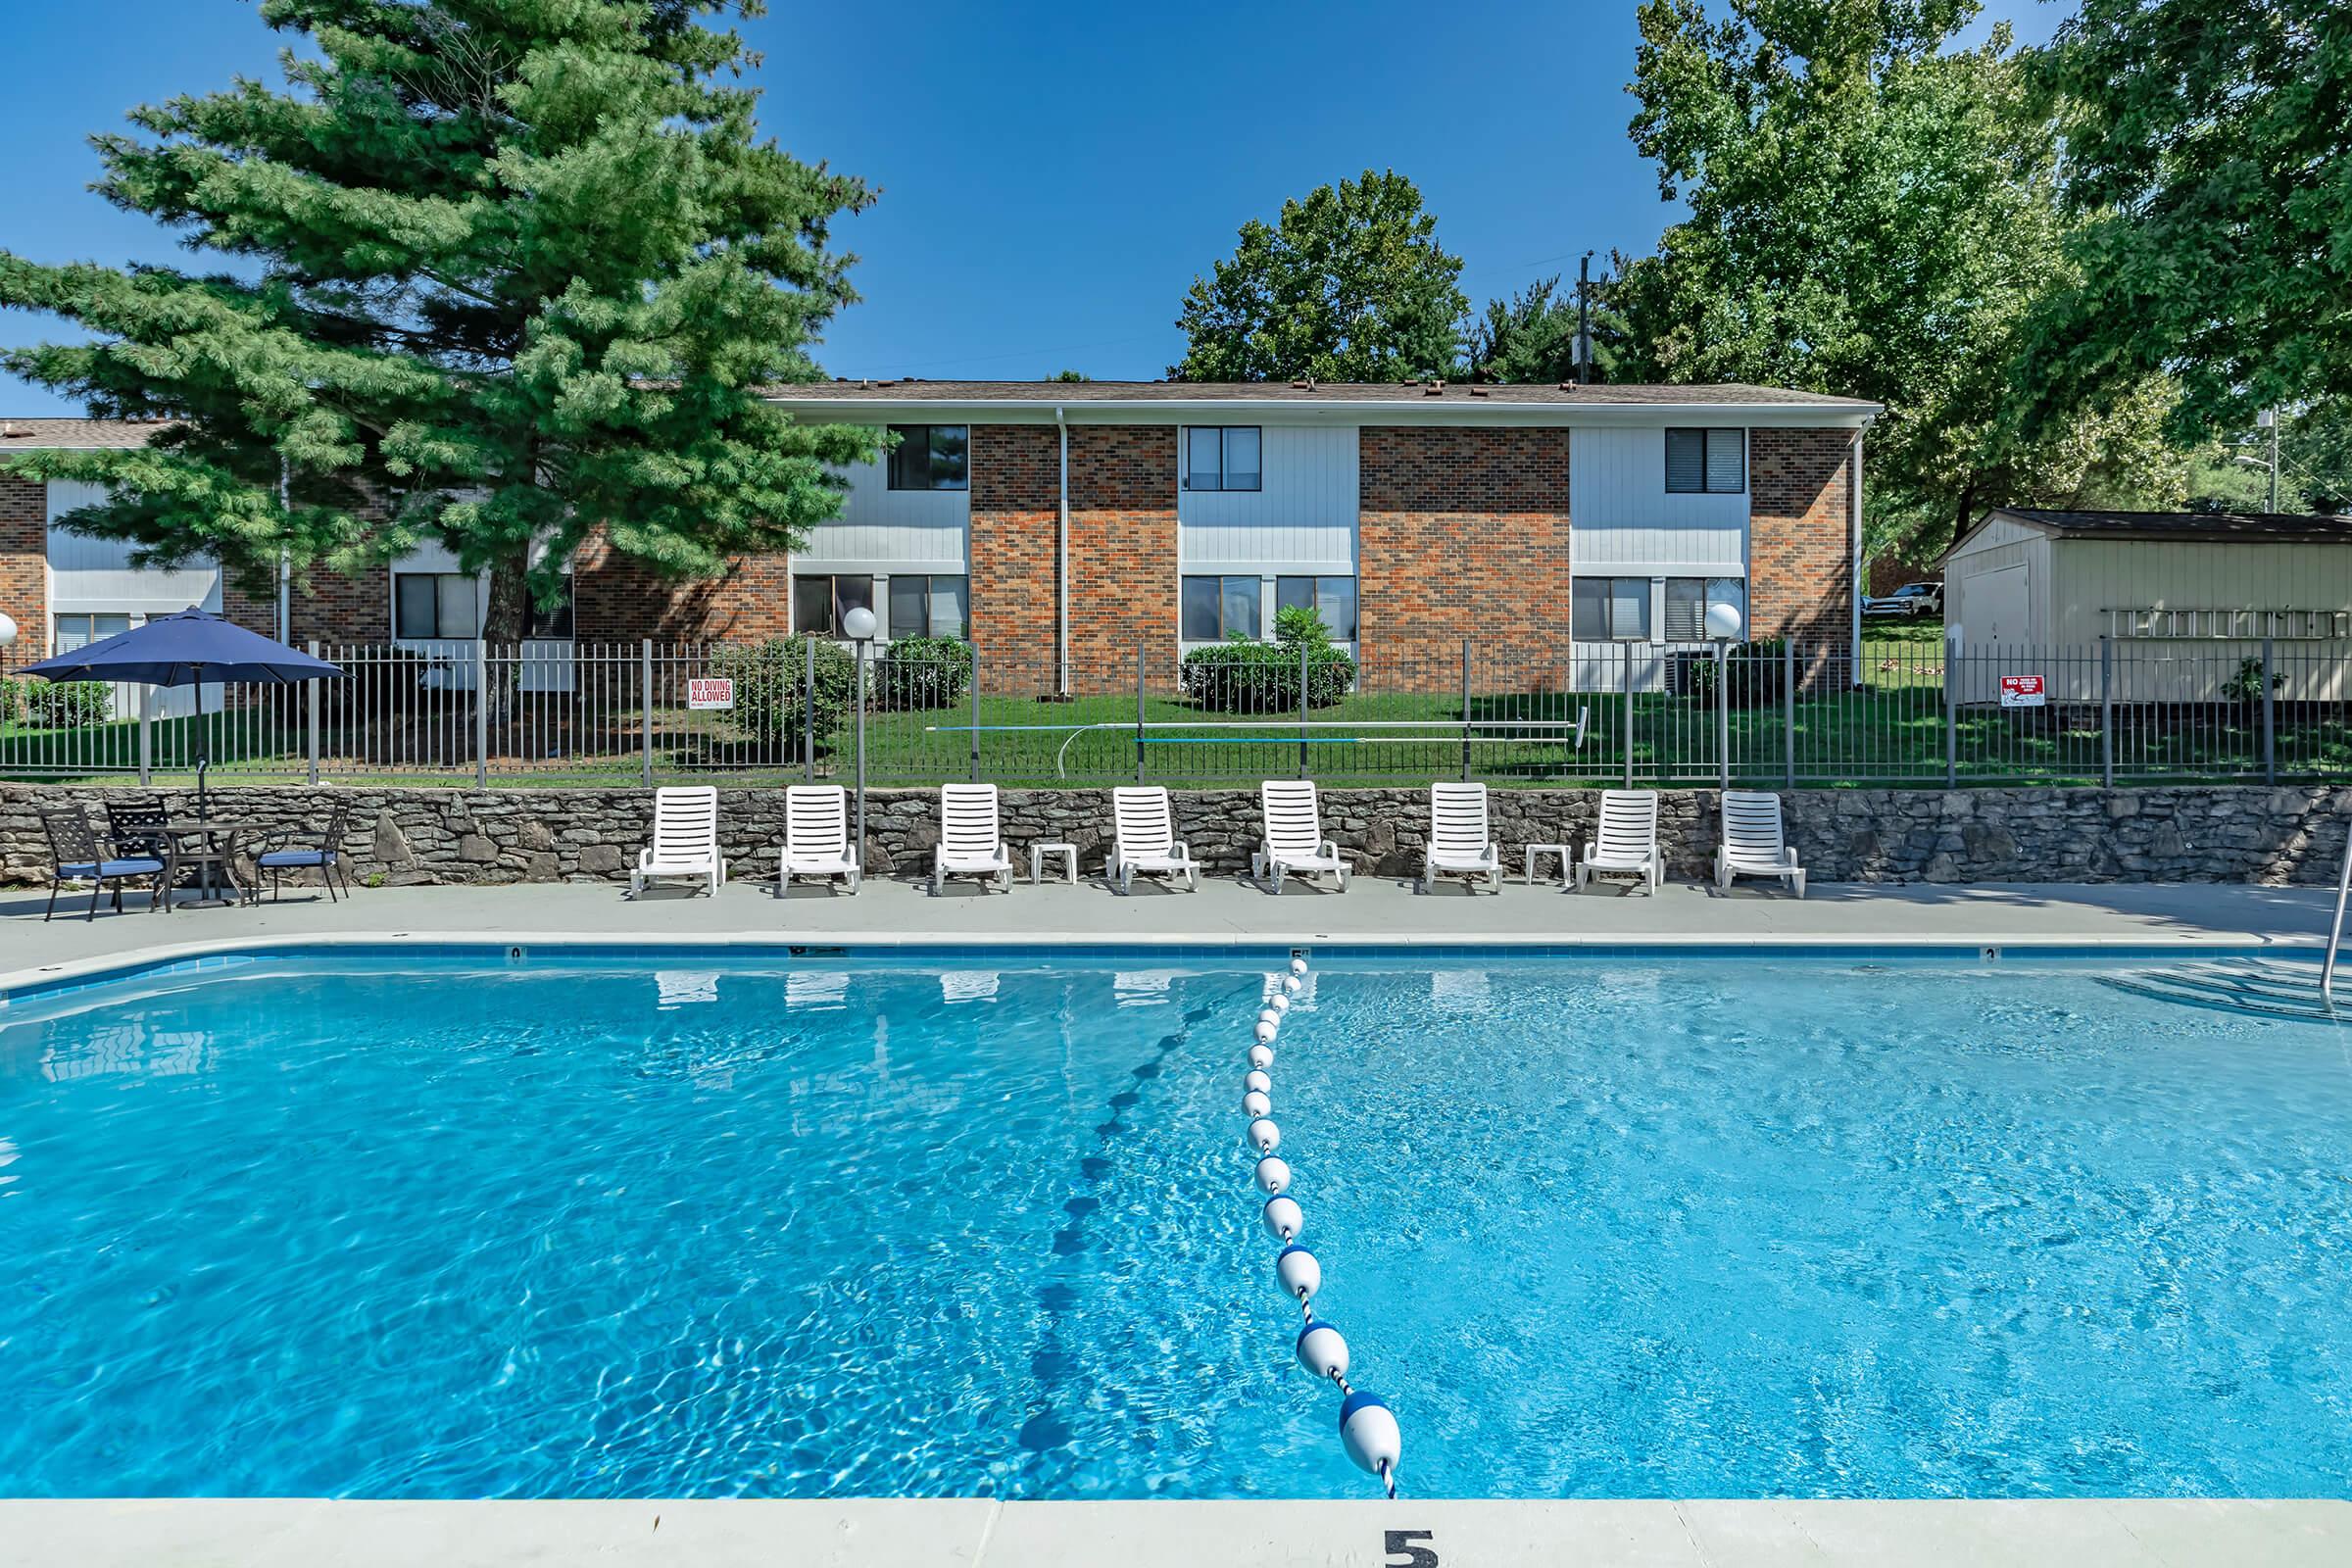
[503, 624]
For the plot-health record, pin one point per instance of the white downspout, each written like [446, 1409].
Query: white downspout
[1061, 557]
[1853, 504]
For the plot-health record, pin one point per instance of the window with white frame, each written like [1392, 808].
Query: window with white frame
[930, 457]
[1706, 462]
[1331, 598]
[68, 632]
[1226, 457]
[1689, 599]
[430, 605]
[821, 603]
[1612, 609]
[923, 605]
[1217, 607]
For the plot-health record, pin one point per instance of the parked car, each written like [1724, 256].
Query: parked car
[1911, 599]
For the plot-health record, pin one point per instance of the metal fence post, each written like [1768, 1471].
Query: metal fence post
[481, 715]
[1625, 653]
[1723, 714]
[2269, 720]
[645, 712]
[2106, 713]
[309, 719]
[1466, 709]
[1951, 712]
[1302, 710]
[1788, 712]
[146, 734]
[976, 652]
[1139, 713]
[808, 707]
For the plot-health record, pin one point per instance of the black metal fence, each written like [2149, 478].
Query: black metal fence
[1775, 714]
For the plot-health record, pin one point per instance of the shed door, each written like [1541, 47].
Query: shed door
[1997, 608]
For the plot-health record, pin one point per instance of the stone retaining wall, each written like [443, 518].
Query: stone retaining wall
[2216, 834]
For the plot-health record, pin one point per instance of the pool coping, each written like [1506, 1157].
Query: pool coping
[23, 986]
[984, 1533]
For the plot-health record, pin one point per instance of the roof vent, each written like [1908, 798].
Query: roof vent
[9, 432]
[1477, 391]
[1567, 386]
[1433, 389]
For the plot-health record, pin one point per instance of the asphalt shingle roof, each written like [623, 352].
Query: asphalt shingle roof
[2191, 525]
[25, 435]
[1399, 392]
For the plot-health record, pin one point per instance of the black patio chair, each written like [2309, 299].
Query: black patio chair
[134, 826]
[76, 855]
[297, 850]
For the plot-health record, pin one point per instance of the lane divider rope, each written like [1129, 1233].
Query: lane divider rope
[1367, 1427]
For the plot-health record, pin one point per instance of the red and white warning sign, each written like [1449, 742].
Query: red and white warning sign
[714, 693]
[2021, 691]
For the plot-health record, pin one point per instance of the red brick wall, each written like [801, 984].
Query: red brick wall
[1123, 591]
[1461, 533]
[615, 599]
[1016, 478]
[1799, 550]
[325, 605]
[24, 564]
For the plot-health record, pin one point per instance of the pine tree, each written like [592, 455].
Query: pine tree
[501, 273]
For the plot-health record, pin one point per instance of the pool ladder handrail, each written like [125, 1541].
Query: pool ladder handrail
[2335, 926]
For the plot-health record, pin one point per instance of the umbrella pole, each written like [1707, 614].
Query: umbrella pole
[204, 754]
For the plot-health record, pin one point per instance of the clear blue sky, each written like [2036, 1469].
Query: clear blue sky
[1051, 176]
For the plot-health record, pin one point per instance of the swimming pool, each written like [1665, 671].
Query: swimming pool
[1632, 1225]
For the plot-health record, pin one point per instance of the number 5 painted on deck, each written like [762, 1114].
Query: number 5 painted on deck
[1403, 1553]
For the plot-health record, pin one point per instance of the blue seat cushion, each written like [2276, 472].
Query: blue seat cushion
[86, 868]
[283, 860]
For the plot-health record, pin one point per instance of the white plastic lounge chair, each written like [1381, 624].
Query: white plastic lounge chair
[1754, 843]
[685, 840]
[1295, 843]
[1143, 838]
[1458, 845]
[816, 836]
[971, 842]
[1627, 839]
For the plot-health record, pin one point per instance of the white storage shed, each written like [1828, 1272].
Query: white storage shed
[2183, 597]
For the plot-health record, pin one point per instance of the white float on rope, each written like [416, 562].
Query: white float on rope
[1322, 1352]
[1255, 1104]
[1273, 1176]
[1368, 1431]
[1261, 1056]
[1265, 1031]
[1297, 967]
[1300, 1275]
[1278, 1002]
[1284, 1217]
[1258, 1081]
[1290, 985]
[1264, 1136]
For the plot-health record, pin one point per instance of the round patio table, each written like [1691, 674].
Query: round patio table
[210, 849]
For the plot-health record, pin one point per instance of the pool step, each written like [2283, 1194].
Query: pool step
[2270, 987]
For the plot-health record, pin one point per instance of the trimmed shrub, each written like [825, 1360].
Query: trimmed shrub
[1754, 670]
[921, 672]
[1241, 676]
[772, 679]
[56, 705]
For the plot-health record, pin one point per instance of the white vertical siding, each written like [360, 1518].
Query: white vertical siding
[1305, 517]
[879, 528]
[96, 574]
[1621, 515]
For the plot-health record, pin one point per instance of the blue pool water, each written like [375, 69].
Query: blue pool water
[1606, 1227]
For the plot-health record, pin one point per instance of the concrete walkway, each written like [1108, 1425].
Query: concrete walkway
[1222, 913]
[979, 1534]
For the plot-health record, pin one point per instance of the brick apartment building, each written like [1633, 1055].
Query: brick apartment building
[1063, 527]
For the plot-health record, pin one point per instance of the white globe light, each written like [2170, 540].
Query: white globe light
[858, 623]
[8, 631]
[1724, 623]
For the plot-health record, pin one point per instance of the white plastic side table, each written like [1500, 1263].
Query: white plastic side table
[1069, 860]
[1534, 853]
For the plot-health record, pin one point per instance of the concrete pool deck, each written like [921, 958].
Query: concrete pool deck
[985, 1533]
[1223, 913]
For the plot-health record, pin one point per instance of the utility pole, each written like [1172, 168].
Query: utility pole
[1583, 320]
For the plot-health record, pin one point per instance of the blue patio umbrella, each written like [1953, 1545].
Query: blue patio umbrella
[187, 648]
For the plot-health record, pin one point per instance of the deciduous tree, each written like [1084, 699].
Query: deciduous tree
[1348, 284]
